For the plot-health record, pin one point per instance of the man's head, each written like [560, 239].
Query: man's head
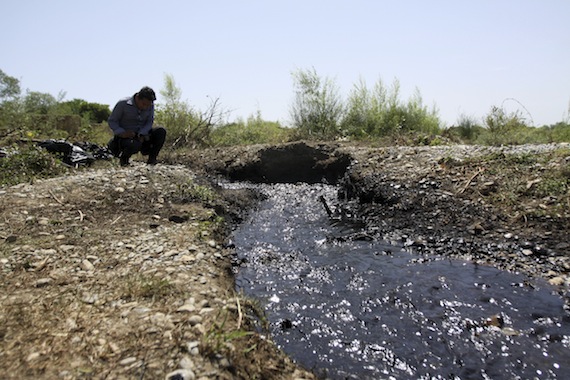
[145, 97]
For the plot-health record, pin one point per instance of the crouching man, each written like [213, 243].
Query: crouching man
[131, 122]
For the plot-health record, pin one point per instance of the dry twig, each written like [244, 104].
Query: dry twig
[54, 197]
[240, 315]
[481, 170]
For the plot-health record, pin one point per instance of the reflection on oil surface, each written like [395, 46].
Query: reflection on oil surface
[361, 309]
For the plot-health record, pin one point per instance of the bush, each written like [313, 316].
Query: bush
[467, 130]
[254, 131]
[185, 125]
[504, 128]
[317, 109]
[28, 163]
[381, 113]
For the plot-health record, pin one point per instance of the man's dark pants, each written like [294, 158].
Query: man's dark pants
[125, 147]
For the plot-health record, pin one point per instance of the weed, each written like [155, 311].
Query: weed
[191, 192]
[218, 339]
[141, 286]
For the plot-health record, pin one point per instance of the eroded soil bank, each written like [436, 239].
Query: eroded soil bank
[508, 207]
[122, 273]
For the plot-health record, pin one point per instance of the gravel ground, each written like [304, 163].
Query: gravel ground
[118, 273]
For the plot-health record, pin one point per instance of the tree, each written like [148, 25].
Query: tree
[92, 112]
[317, 109]
[9, 87]
[184, 124]
[39, 102]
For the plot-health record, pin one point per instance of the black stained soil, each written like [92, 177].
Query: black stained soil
[507, 207]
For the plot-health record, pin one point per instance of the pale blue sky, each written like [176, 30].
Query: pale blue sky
[463, 56]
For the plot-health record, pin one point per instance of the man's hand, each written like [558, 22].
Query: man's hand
[127, 135]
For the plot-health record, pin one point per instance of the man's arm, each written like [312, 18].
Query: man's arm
[115, 119]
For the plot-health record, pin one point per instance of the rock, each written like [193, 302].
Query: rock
[495, 320]
[194, 320]
[557, 281]
[87, 265]
[193, 348]
[187, 259]
[178, 218]
[476, 228]
[43, 282]
[488, 188]
[162, 320]
[510, 331]
[188, 308]
[47, 251]
[33, 356]
[127, 361]
[181, 374]
[187, 363]
[89, 298]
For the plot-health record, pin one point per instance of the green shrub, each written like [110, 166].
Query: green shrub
[317, 109]
[381, 113]
[253, 131]
[504, 128]
[28, 163]
[186, 126]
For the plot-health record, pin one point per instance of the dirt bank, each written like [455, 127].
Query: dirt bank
[119, 273]
[503, 206]
[122, 273]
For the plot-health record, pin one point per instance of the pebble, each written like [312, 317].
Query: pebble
[193, 348]
[127, 361]
[187, 363]
[33, 356]
[194, 320]
[187, 308]
[66, 247]
[557, 281]
[87, 265]
[43, 282]
[181, 374]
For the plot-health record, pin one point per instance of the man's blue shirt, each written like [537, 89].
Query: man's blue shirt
[127, 117]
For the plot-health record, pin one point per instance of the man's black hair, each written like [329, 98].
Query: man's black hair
[147, 93]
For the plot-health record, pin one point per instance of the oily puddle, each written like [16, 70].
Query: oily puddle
[362, 309]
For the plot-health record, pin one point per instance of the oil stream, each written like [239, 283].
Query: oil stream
[369, 310]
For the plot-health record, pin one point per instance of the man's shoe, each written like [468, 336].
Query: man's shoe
[125, 161]
[151, 161]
